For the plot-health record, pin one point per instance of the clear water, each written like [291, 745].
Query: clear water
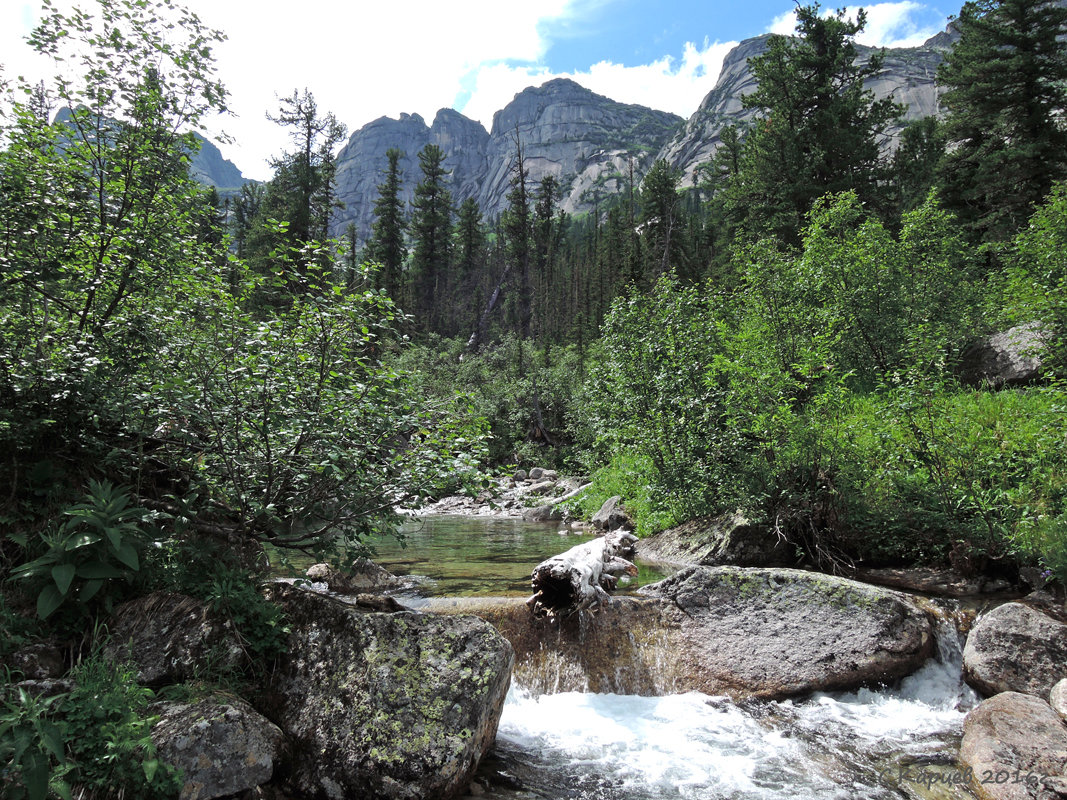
[479, 556]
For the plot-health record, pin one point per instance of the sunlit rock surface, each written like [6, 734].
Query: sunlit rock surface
[378, 705]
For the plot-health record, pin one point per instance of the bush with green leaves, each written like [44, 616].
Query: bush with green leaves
[97, 545]
[820, 400]
[523, 391]
[94, 740]
[246, 406]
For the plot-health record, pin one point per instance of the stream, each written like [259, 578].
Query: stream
[893, 742]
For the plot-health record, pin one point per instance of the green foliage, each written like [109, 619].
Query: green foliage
[98, 543]
[631, 478]
[819, 399]
[387, 242]
[819, 128]
[108, 731]
[214, 574]
[523, 395]
[94, 740]
[32, 745]
[1006, 88]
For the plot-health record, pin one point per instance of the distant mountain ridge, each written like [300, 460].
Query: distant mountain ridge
[588, 141]
[583, 139]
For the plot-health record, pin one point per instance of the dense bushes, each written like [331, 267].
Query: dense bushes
[820, 398]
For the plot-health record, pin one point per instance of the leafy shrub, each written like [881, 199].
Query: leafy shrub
[92, 741]
[98, 543]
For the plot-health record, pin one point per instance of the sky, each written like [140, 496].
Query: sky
[365, 59]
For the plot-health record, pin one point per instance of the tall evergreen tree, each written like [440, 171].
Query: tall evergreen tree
[431, 229]
[819, 129]
[387, 245]
[517, 219]
[469, 258]
[661, 220]
[1006, 81]
[306, 176]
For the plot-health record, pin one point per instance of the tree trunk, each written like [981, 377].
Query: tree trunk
[582, 576]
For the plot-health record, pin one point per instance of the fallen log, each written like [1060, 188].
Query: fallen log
[582, 576]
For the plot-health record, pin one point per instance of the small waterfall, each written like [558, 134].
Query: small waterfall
[591, 743]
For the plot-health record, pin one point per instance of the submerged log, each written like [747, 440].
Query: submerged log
[582, 576]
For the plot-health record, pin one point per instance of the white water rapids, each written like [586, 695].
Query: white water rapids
[889, 743]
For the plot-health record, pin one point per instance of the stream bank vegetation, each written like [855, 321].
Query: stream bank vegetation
[183, 383]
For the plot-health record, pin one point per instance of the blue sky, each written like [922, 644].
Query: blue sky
[366, 58]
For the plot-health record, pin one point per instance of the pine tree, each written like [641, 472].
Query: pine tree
[387, 245]
[517, 227]
[661, 220]
[431, 229]
[469, 254]
[1006, 81]
[819, 129]
[307, 175]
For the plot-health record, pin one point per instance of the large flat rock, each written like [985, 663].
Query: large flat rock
[775, 633]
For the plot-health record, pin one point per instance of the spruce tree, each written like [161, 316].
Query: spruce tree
[819, 129]
[431, 229]
[661, 219]
[387, 245]
[1006, 97]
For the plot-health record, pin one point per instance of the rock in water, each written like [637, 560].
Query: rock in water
[1014, 648]
[728, 540]
[1016, 746]
[385, 705]
[222, 748]
[774, 633]
[611, 515]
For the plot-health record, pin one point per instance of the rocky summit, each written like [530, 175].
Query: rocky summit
[589, 142]
[586, 141]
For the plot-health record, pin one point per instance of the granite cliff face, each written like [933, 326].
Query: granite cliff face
[908, 74]
[583, 139]
[588, 141]
[209, 167]
[362, 162]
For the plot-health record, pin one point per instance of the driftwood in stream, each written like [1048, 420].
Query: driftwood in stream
[582, 576]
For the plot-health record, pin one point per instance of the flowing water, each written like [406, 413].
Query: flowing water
[897, 742]
[890, 743]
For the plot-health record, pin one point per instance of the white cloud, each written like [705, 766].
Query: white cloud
[362, 60]
[667, 84]
[888, 24]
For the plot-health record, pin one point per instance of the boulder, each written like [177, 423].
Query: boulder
[1014, 648]
[363, 576]
[519, 475]
[221, 747]
[1058, 698]
[1015, 748]
[775, 633]
[39, 662]
[170, 637]
[716, 541]
[545, 513]
[1009, 358]
[379, 705]
[611, 516]
[536, 473]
